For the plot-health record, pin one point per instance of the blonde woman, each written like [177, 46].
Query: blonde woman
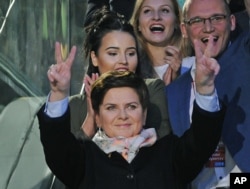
[157, 25]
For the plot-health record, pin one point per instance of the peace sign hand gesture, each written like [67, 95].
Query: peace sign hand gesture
[59, 74]
[206, 68]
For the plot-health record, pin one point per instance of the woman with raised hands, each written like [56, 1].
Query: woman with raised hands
[110, 44]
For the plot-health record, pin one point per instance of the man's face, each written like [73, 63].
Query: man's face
[218, 26]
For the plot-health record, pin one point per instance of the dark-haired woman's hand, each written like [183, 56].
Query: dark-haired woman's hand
[89, 126]
[59, 74]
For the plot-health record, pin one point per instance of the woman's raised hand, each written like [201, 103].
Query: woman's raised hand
[59, 74]
[173, 58]
[88, 125]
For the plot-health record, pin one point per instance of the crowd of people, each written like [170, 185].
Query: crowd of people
[164, 101]
[160, 43]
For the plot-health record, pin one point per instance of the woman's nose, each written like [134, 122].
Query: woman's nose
[123, 59]
[156, 15]
[123, 114]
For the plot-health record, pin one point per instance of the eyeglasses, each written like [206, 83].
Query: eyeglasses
[199, 22]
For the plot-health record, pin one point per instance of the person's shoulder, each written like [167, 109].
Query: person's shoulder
[77, 102]
[166, 141]
[242, 35]
[154, 83]
[246, 35]
[242, 39]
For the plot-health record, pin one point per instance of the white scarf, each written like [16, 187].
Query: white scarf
[127, 147]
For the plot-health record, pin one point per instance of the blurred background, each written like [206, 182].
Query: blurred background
[28, 31]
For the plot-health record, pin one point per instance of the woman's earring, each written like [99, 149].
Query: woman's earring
[100, 131]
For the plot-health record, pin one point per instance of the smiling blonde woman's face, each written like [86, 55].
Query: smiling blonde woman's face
[157, 21]
[118, 51]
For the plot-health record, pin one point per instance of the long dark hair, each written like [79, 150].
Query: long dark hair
[103, 22]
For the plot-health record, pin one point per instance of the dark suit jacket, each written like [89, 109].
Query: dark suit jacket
[171, 162]
[233, 87]
[242, 20]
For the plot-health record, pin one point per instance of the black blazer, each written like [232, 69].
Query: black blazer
[171, 162]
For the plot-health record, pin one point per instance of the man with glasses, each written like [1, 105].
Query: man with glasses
[199, 22]
[211, 22]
